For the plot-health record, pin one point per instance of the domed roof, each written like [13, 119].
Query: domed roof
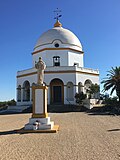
[65, 36]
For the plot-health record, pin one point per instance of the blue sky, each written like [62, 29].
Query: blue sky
[95, 22]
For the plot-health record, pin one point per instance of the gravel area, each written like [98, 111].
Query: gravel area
[81, 137]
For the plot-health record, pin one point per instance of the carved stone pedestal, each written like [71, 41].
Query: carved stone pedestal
[40, 122]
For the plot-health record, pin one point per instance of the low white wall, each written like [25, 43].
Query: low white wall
[89, 103]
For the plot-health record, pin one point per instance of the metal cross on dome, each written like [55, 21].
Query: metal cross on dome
[58, 15]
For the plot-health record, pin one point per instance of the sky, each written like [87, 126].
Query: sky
[95, 22]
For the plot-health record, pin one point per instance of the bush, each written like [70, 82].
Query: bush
[9, 103]
[111, 101]
[80, 97]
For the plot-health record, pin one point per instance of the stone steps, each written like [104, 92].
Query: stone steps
[17, 109]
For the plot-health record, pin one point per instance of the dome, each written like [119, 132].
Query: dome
[58, 33]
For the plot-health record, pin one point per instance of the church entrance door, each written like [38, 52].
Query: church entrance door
[57, 91]
[57, 96]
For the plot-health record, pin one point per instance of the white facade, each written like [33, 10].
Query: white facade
[62, 53]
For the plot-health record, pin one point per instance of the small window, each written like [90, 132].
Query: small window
[56, 61]
[56, 45]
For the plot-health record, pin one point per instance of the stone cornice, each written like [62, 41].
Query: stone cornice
[44, 49]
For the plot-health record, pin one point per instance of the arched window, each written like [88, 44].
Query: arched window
[87, 84]
[80, 87]
[26, 91]
[19, 93]
[70, 95]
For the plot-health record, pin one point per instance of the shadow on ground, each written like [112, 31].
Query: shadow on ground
[51, 109]
[104, 110]
[9, 132]
[114, 130]
[66, 108]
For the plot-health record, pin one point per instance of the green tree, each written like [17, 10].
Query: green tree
[94, 88]
[80, 97]
[112, 81]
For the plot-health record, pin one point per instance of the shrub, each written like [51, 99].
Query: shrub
[80, 97]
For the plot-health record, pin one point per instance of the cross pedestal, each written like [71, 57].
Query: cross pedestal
[39, 101]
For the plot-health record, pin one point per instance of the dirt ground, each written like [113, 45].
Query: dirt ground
[82, 136]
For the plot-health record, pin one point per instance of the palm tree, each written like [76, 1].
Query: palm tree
[112, 81]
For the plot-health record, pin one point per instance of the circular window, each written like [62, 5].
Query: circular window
[56, 45]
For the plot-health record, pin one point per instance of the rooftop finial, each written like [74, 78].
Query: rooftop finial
[57, 16]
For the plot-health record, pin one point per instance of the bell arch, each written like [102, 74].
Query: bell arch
[87, 84]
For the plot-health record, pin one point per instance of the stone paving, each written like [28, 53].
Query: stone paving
[82, 136]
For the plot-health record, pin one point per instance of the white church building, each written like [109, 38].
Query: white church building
[64, 75]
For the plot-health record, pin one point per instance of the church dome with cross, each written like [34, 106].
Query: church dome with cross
[58, 37]
[64, 74]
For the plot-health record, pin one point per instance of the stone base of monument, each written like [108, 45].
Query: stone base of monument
[40, 125]
[40, 122]
[53, 130]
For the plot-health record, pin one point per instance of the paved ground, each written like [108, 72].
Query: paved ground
[81, 137]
